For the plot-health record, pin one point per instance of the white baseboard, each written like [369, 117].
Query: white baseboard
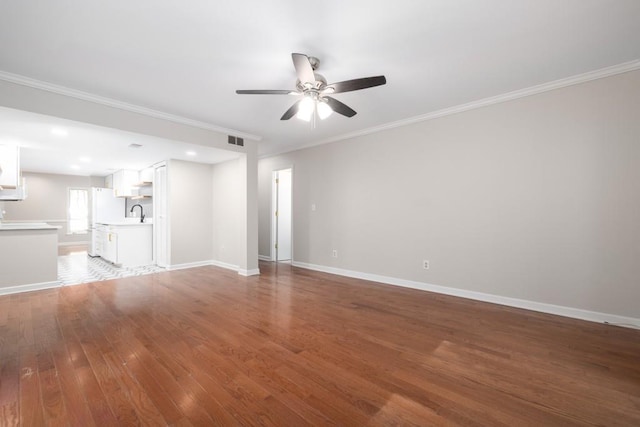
[216, 263]
[225, 265]
[252, 272]
[240, 271]
[84, 242]
[30, 287]
[264, 258]
[576, 313]
[189, 265]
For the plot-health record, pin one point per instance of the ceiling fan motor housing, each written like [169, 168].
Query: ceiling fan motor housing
[319, 83]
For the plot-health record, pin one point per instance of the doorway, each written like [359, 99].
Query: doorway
[160, 224]
[282, 207]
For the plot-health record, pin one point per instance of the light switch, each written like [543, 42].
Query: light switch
[313, 207]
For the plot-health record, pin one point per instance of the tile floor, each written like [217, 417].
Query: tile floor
[76, 266]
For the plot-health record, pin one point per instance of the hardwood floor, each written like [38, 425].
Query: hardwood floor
[293, 347]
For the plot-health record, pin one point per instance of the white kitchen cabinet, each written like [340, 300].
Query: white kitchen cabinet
[143, 189]
[9, 166]
[146, 176]
[123, 182]
[98, 240]
[110, 247]
[14, 194]
[128, 244]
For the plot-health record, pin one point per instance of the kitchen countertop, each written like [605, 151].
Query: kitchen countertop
[13, 226]
[127, 223]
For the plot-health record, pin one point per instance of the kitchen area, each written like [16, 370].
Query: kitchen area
[172, 197]
[122, 218]
[62, 229]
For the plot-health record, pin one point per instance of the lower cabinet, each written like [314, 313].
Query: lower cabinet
[99, 234]
[128, 245]
[110, 247]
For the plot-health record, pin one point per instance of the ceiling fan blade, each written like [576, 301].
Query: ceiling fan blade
[291, 111]
[303, 68]
[355, 84]
[339, 107]
[266, 92]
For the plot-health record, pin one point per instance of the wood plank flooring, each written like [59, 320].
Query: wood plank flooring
[293, 347]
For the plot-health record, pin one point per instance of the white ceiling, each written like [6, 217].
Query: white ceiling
[187, 58]
[53, 145]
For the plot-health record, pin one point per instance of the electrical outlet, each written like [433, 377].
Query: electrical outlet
[313, 207]
[425, 264]
[334, 253]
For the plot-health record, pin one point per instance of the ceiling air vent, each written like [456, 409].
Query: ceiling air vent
[135, 145]
[236, 140]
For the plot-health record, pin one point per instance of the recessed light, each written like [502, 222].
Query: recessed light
[59, 132]
[84, 159]
[75, 167]
[191, 153]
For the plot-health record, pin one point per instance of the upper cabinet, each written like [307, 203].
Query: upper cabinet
[9, 166]
[144, 186]
[129, 183]
[146, 177]
[12, 186]
[123, 183]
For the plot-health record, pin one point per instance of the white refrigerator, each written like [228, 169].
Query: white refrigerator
[105, 209]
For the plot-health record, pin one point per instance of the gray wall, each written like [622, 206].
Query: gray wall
[535, 199]
[207, 215]
[47, 201]
[227, 193]
[190, 210]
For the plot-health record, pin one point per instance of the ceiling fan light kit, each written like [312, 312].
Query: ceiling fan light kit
[324, 110]
[306, 108]
[315, 90]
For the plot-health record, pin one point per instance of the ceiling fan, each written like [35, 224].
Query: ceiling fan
[315, 90]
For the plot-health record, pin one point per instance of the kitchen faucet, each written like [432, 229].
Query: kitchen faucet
[141, 211]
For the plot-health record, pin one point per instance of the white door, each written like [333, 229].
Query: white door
[282, 214]
[160, 225]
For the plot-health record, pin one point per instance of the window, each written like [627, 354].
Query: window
[78, 211]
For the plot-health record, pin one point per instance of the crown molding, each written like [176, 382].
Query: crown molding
[86, 96]
[509, 96]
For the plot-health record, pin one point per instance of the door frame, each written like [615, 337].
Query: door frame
[156, 222]
[273, 253]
